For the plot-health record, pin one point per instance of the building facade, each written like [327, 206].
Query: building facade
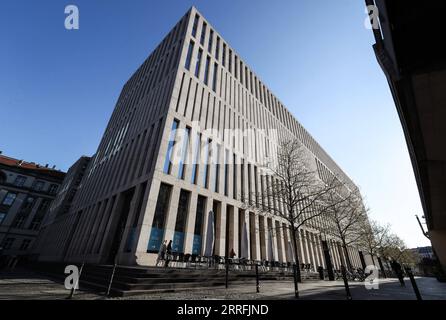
[26, 192]
[144, 185]
[59, 217]
[414, 63]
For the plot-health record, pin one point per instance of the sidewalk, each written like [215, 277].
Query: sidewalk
[389, 289]
[28, 285]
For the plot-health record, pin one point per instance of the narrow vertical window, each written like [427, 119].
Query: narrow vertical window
[217, 49]
[249, 184]
[242, 177]
[201, 207]
[234, 178]
[211, 39]
[171, 142]
[203, 33]
[223, 59]
[189, 55]
[195, 26]
[198, 65]
[241, 72]
[184, 151]
[235, 67]
[180, 224]
[226, 172]
[206, 163]
[196, 159]
[157, 231]
[217, 168]
[230, 61]
[214, 80]
[206, 70]
[255, 186]
[250, 83]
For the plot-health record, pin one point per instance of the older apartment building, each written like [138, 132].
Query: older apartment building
[26, 192]
[134, 195]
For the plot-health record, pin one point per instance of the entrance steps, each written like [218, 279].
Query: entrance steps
[132, 280]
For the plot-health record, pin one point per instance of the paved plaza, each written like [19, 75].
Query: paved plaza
[28, 285]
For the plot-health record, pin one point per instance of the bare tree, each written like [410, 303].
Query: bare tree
[292, 190]
[395, 248]
[374, 237]
[348, 217]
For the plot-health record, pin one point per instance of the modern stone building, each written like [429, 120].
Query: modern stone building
[58, 217]
[133, 195]
[26, 192]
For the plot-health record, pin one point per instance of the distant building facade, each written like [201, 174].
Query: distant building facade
[26, 192]
[133, 195]
[424, 252]
[58, 216]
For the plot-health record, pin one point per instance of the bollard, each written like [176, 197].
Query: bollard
[414, 284]
[227, 273]
[296, 288]
[257, 279]
[111, 280]
[347, 288]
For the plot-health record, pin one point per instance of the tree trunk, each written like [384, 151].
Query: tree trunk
[347, 256]
[373, 259]
[296, 256]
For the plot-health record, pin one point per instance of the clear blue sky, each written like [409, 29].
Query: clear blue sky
[58, 87]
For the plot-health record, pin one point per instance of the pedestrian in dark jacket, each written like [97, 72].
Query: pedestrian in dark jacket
[399, 272]
[168, 253]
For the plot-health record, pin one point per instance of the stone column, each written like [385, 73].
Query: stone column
[190, 223]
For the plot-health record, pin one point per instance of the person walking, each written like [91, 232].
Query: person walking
[232, 254]
[168, 253]
[399, 272]
[161, 253]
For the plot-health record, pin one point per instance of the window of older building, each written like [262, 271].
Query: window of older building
[38, 185]
[25, 244]
[53, 189]
[19, 221]
[19, 181]
[2, 216]
[8, 243]
[8, 200]
[35, 224]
